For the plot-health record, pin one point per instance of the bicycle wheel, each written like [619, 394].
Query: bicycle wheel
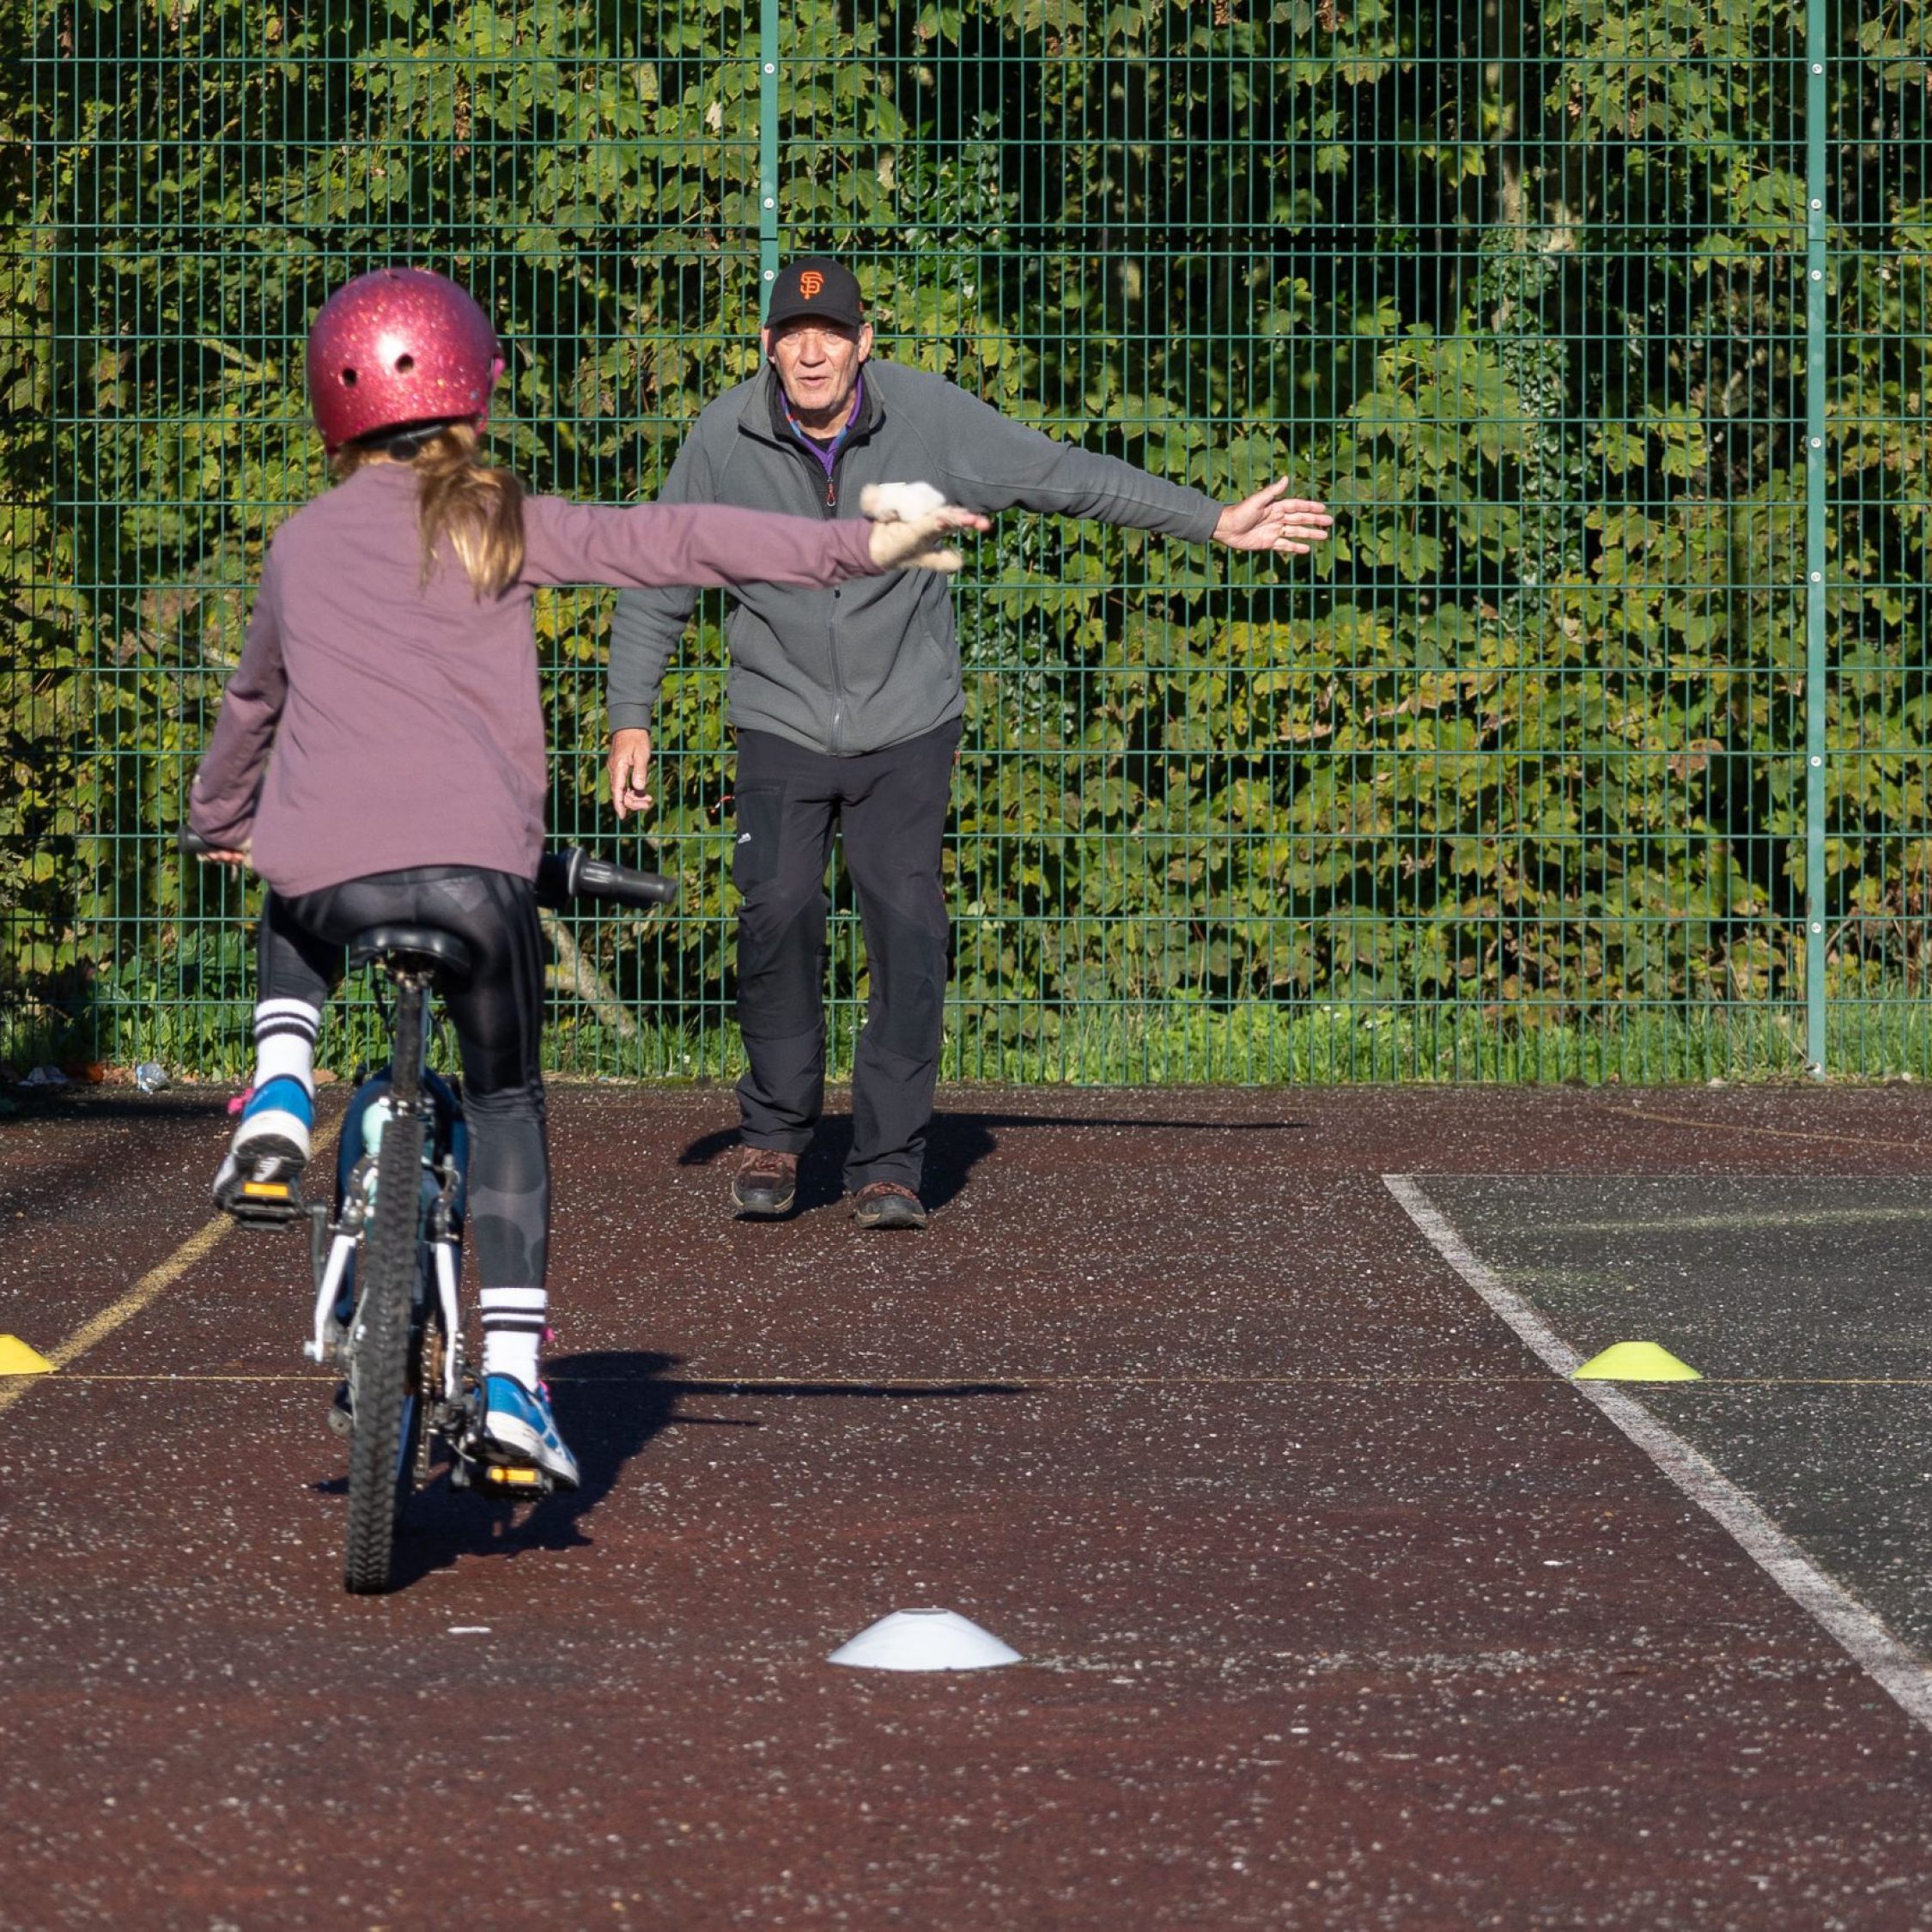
[387, 1409]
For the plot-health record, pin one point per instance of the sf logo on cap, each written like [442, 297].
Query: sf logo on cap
[810, 283]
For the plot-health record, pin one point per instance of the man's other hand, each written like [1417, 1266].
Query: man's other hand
[1271, 519]
[630, 771]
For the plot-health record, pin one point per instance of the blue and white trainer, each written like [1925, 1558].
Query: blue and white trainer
[519, 1428]
[260, 1178]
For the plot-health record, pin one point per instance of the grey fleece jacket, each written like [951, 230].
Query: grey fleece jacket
[874, 663]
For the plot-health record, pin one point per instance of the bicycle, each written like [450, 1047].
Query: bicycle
[385, 1259]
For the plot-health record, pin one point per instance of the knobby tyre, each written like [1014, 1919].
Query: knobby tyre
[382, 1396]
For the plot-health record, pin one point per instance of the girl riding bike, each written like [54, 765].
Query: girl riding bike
[391, 664]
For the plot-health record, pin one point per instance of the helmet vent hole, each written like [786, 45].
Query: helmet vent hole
[404, 364]
[349, 378]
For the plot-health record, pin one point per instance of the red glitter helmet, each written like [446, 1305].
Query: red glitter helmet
[399, 346]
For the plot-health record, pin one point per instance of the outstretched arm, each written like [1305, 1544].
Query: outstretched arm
[994, 462]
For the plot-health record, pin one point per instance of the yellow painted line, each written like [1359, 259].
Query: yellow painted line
[151, 1286]
[156, 1282]
[1776, 1133]
[1020, 1384]
[283, 1375]
[1725, 1224]
[1819, 1381]
[1012, 1385]
[768, 1385]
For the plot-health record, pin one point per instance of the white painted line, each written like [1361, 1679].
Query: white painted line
[1895, 1667]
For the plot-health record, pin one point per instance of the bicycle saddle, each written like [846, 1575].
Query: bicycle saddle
[415, 948]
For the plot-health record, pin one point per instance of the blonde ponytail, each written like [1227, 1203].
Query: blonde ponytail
[479, 509]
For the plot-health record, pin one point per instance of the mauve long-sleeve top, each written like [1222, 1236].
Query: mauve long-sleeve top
[405, 720]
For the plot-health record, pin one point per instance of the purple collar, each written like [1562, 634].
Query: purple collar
[827, 453]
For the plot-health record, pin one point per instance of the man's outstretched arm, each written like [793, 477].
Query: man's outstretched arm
[1001, 463]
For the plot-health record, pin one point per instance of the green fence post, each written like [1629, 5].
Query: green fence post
[1814, 589]
[767, 150]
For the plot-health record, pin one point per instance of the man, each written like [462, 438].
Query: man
[846, 705]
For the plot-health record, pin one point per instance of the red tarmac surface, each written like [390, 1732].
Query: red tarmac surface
[1337, 1610]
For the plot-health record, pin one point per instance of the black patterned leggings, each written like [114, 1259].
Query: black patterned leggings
[498, 1016]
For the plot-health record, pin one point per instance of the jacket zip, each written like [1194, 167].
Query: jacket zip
[827, 509]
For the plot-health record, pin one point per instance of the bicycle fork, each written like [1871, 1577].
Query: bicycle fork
[333, 1245]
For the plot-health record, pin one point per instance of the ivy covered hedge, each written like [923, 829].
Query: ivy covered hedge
[1516, 286]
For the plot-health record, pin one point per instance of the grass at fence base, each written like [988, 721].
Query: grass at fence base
[1317, 1045]
[1107, 1044]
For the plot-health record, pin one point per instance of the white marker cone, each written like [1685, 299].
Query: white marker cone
[925, 1640]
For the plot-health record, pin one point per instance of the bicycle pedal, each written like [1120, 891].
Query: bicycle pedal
[265, 1204]
[515, 1479]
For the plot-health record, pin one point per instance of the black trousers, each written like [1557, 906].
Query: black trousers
[890, 808]
[499, 1019]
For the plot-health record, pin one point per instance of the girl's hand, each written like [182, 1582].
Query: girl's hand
[910, 524]
[227, 856]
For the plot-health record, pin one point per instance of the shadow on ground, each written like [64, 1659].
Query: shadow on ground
[610, 1404]
[956, 1146]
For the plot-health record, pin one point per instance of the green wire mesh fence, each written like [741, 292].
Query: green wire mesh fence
[1594, 747]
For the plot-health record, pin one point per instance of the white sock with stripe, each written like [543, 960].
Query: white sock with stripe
[279, 1109]
[285, 1031]
[514, 1321]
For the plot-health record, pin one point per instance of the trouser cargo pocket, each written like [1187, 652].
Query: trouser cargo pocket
[754, 848]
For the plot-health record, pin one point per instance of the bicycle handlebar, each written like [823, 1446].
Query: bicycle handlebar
[565, 871]
[568, 872]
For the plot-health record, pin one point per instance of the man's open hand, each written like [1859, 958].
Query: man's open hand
[1271, 519]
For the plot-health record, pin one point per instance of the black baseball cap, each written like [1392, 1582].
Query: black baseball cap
[818, 288]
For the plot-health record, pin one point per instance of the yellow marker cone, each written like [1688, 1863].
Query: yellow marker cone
[1636, 1361]
[17, 1358]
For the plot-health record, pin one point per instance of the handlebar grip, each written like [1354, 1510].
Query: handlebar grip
[570, 872]
[190, 845]
[604, 878]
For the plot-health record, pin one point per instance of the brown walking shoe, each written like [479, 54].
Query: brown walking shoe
[766, 1183]
[885, 1204]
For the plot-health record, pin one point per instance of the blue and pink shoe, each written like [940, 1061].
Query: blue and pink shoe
[260, 1179]
[519, 1431]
